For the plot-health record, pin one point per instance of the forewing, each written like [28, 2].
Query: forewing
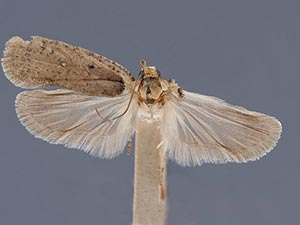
[78, 121]
[43, 62]
[202, 129]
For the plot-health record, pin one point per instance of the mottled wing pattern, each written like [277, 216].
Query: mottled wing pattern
[43, 62]
[72, 119]
[202, 129]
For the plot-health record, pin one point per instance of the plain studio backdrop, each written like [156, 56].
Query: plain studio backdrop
[246, 52]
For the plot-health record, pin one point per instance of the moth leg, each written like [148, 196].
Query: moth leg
[162, 176]
[99, 114]
[129, 146]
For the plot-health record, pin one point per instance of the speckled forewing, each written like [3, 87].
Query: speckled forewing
[43, 62]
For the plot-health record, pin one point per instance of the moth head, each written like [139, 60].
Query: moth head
[148, 71]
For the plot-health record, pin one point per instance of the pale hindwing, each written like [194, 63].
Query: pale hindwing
[202, 129]
[70, 118]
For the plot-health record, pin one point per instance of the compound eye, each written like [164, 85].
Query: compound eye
[158, 72]
[142, 74]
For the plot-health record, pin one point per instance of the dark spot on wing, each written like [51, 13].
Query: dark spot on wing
[180, 92]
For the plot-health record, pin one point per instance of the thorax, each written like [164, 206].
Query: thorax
[152, 94]
[151, 90]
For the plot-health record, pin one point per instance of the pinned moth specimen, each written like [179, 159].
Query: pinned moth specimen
[98, 102]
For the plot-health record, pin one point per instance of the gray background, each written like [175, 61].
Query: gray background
[246, 52]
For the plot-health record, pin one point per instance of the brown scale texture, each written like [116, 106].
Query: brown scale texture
[43, 62]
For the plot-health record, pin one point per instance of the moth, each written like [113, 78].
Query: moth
[96, 104]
